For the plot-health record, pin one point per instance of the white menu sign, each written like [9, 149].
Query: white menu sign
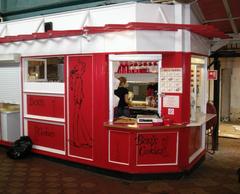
[171, 80]
[171, 101]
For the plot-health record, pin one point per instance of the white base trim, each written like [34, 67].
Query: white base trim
[121, 163]
[44, 87]
[54, 119]
[61, 152]
[79, 157]
[195, 155]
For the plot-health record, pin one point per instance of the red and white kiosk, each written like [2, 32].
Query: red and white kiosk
[68, 74]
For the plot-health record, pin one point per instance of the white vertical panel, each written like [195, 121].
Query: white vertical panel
[10, 85]
[179, 20]
[199, 44]
[155, 40]
[155, 13]
[96, 16]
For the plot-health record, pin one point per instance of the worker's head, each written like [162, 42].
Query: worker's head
[123, 82]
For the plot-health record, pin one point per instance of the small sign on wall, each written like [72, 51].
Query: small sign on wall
[212, 74]
[171, 111]
[171, 101]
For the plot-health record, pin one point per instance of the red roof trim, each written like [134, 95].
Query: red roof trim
[203, 30]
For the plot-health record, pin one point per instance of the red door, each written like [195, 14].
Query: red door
[80, 106]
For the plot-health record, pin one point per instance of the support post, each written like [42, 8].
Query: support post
[217, 66]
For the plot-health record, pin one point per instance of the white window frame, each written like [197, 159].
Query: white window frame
[41, 85]
[26, 70]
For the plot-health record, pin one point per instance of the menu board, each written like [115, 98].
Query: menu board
[171, 80]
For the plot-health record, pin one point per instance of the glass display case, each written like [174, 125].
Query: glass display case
[198, 90]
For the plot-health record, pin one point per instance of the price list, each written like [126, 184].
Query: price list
[171, 80]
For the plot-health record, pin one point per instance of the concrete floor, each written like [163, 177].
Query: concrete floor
[36, 175]
[229, 130]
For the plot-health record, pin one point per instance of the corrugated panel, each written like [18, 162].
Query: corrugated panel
[235, 7]
[10, 84]
[213, 9]
[237, 22]
[223, 26]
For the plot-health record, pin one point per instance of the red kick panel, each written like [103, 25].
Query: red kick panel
[49, 106]
[47, 135]
[119, 146]
[195, 139]
[81, 106]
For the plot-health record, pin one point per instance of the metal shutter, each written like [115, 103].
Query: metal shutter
[10, 84]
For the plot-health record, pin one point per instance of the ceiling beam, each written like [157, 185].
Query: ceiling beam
[229, 14]
[220, 20]
[218, 45]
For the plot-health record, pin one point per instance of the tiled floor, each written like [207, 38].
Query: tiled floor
[216, 175]
[229, 130]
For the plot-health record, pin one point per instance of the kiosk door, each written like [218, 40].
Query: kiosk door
[80, 106]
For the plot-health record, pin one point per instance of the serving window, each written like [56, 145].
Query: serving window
[142, 75]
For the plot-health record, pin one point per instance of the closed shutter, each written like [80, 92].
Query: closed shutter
[10, 84]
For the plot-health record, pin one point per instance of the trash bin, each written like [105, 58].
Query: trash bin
[10, 125]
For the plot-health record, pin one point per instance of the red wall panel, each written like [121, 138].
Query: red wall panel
[195, 139]
[183, 60]
[81, 106]
[101, 100]
[50, 106]
[47, 135]
[119, 146]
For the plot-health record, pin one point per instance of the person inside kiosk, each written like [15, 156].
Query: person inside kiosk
[129, 102]
[122, 93]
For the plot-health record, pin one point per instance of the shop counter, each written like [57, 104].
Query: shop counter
[201, 119]
[147, 148]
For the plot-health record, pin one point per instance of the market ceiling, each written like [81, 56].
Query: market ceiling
[223, 14]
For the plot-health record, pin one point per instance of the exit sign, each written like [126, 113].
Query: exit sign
[212, 74]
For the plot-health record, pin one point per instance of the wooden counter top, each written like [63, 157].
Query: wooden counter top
[137, 126]
[201, 119]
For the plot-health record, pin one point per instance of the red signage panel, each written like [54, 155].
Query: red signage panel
[49, 106]
[46, 135]
[157, 148]
[212, 75]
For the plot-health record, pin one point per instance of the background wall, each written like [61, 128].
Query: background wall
[230, 93]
